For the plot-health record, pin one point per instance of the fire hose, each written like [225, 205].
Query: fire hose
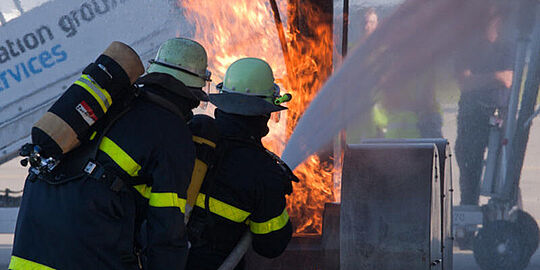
[238, 252]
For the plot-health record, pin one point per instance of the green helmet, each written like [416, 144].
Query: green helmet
[249, 89]
[184, 59]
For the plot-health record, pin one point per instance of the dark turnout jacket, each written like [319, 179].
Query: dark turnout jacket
[246, 192]
[89, 223]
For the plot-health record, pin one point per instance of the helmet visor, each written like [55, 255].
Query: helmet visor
[275, 98]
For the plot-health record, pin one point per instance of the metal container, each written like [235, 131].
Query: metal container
[390, 214]
[447, 191]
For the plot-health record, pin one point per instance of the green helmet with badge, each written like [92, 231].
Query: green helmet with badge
[248, 88]
[185, 60]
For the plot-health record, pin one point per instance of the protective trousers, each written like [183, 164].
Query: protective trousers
[472, 136]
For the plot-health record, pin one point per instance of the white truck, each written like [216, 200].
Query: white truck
[45, 44]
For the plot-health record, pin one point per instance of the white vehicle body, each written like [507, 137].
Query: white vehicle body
[43, 51]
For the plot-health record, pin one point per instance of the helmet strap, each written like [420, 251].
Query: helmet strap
[206, 77]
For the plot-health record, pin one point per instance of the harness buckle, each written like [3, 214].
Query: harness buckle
[90, 167]
[94, 170]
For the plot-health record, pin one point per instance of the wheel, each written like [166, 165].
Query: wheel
[529, 231]
[499, 246]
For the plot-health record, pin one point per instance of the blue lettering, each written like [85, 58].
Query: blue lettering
[44, 58]
[25, 70]
[17, 76]
[62, 54]
[4, 80]
[34, 65]
[31, 66]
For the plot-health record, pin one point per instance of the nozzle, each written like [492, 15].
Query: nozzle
[26, 150]
[24, 162]
[285, 98]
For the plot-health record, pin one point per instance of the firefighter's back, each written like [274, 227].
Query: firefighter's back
[92, 222]
[246, 191]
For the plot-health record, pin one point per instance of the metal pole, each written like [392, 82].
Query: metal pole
[526, 25]
[342, 140]
[528, 101]
[510, 124]
[282, 39]
[345, 40]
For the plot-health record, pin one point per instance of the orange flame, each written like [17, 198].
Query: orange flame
[234, 29]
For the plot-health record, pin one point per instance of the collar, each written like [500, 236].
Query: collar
[241, 126]
[173, 85]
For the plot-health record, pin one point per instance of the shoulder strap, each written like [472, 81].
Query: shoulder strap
[91, 155]
[164, 103]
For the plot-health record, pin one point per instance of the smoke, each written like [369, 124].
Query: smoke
[417, 36]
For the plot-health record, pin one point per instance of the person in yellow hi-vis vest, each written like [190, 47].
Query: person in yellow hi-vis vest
[412, 111]
[408, 112]
[405, 112]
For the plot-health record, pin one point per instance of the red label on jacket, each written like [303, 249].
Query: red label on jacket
[86, 112]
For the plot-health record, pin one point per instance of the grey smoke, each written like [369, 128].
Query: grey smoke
[417, 36]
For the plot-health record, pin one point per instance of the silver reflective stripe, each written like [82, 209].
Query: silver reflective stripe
[98, 92]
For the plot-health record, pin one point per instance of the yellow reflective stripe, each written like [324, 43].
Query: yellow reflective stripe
[167, 199]
[93, 135]
[164, 199]
[104, 92]
[20, 263]
[94, 94]
[100, 95]
[223, 209]
[119, 156]
[271, 225]
[202, 140]
[144, 190]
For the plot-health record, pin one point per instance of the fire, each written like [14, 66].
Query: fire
[234, 29]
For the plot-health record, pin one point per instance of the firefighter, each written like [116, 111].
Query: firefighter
[140, 170]
[411, 110]
[247, 187]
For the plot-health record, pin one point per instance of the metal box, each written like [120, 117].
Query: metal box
[447, 191]
[390, 216]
